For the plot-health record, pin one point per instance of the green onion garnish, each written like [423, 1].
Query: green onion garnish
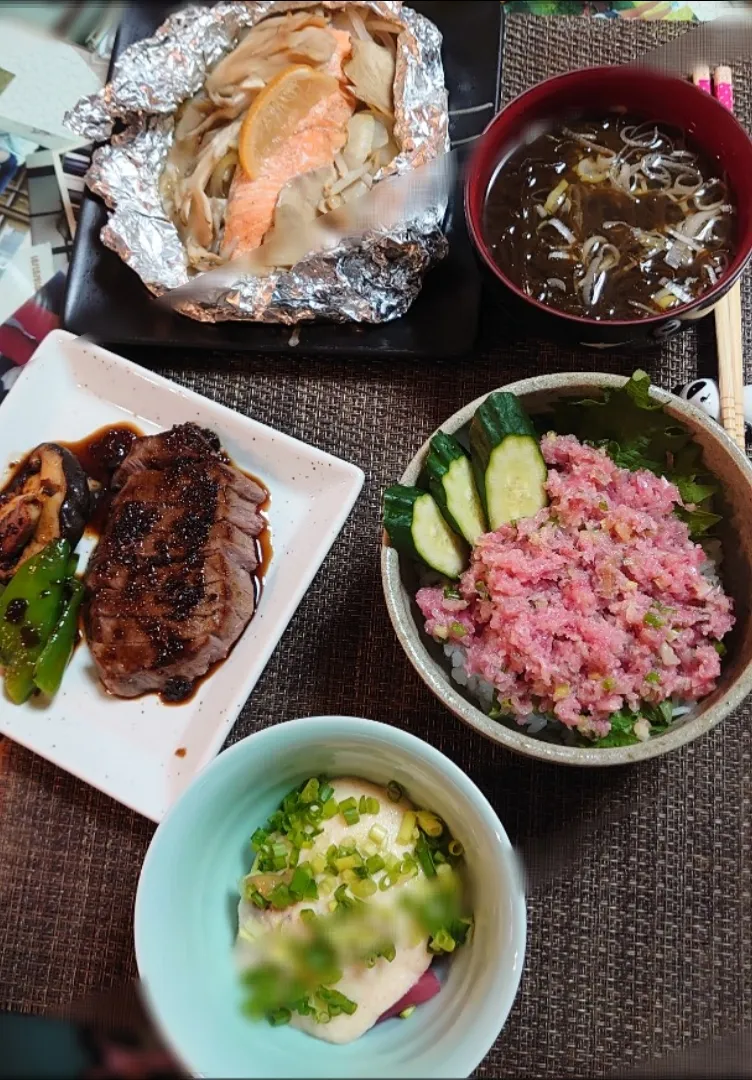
[429, 823]
[652, 677]
[351, 815]
[451, 592]
[374, 864]
[279, 1017]
[348, 862]
[394, 791]
[280, 896]
[363, 805]
[334, 999]
[389, 953]
[424, 857]
[374, 805]
[310, 792]
[325, 792]
[259, 838]
[386, 882]
[442, 942]
[363, 889]
[458, 630]
[455, 848]
[407, 827]
[329, 809]
[651, 619]
[308, 915]
[377, 833]
[720, 648]
[407, 1013]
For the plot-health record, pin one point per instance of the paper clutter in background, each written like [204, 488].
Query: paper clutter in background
[43, 77]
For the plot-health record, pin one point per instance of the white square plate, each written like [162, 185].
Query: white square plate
[127, 748]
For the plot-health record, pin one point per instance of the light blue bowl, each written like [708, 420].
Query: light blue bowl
[185, 919]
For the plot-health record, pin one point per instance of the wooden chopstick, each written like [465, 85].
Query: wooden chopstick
[728, 310]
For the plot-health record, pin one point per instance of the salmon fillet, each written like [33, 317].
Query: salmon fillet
[316, 141]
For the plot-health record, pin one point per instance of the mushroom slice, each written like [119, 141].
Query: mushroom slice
[290, 238]
[371, 72]
[47, 499]
[261, 40]
[361, 129]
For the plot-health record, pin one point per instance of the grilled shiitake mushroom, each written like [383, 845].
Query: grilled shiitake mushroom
[47, 498]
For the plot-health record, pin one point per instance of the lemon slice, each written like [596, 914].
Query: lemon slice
[276, 112]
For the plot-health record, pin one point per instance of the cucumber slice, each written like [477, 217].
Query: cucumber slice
[415, 525]
[515, 480]
[450, 478]
[507, 459]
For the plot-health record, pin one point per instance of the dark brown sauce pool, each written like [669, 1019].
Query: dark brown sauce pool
[606, 246]
[100, 454]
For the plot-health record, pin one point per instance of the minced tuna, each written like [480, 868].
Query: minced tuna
[599, 602]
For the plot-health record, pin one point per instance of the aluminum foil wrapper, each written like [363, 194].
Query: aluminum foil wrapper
[369, 279]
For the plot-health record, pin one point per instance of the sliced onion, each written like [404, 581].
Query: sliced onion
[588, 141]
[560, 228]
[716, 204]
[590, 244]
[560, 253]
[641, 307]
[676, 256]
[556, 197]
[677, 291]
[588, 170]
[688, 241]
[630, 136]
[556, 283]
[711, 274]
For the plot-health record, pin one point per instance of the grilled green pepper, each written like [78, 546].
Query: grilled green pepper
[51, 665]
[29, 610]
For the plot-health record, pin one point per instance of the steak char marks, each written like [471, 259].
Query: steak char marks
[171, 585]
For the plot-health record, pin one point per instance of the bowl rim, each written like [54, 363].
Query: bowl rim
[435, 674]
[546, 89]
[507, 980]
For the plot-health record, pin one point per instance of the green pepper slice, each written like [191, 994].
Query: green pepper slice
[51, 665]
[29, 610]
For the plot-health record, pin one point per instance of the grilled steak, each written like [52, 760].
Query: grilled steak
[171, 584]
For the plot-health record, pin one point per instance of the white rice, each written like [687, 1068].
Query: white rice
[484, 692]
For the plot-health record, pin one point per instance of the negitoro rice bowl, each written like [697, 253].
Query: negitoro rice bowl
[582, 602]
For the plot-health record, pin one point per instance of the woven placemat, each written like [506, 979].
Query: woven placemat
[640, 937]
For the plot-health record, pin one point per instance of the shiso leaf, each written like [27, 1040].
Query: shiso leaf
[647, 439]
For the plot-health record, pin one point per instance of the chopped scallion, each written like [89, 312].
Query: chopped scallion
[407, 1013]
[351, 816]
[329, 809]
[363, 889]
[310, 792]
[430, 823]
[455, 848]
[279, 1017]
[394, 791]
[374, 864]
[407, 827]
[377, 833]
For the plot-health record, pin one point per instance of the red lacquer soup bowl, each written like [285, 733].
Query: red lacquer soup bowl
[709, 127]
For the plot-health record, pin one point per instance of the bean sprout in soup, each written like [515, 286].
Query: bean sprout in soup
[610, 218]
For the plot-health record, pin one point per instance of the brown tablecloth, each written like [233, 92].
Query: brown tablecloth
[640, 938]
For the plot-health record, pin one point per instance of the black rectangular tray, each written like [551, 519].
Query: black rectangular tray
[106, 300]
